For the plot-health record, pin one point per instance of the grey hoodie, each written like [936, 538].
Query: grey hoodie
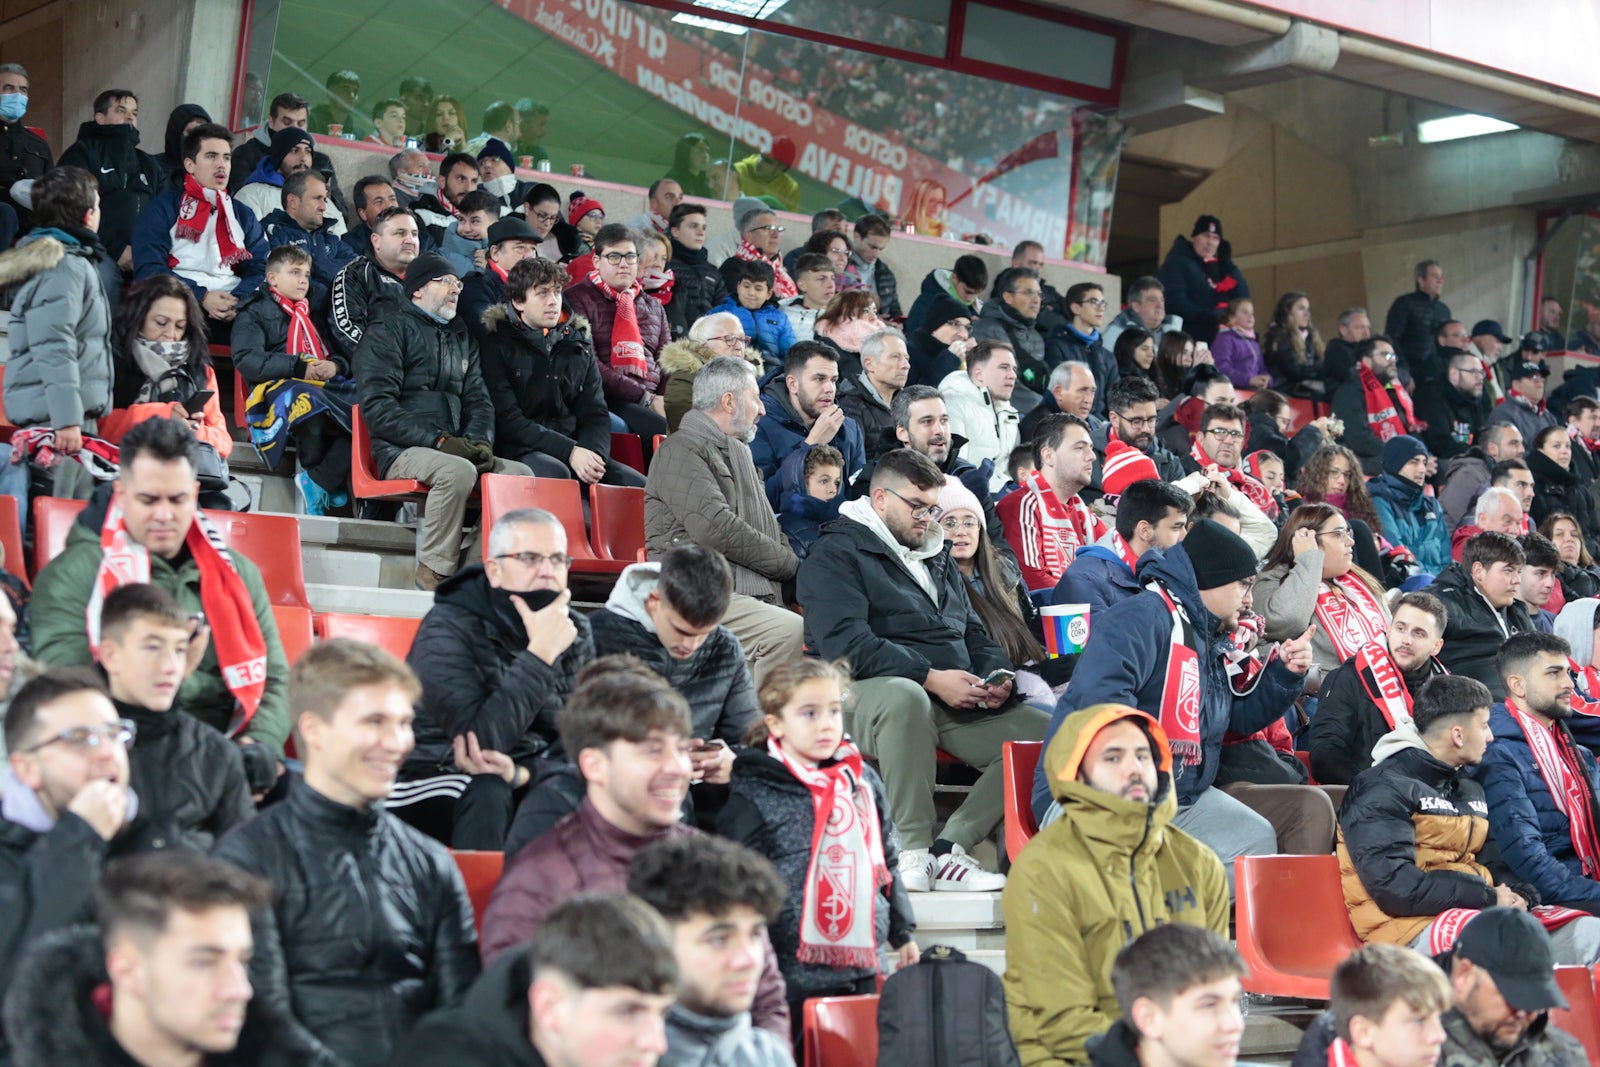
[695, 1040]
[1399, 739]
[1575, 626]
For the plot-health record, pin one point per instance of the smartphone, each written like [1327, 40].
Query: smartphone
[999, 677]
[197, 403]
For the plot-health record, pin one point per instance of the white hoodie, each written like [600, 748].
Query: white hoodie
[914, 560]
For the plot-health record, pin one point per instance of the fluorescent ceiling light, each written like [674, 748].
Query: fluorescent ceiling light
[1458, 126]
[750, 9]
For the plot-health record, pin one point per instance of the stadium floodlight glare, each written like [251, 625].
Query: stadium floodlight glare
[750, 9]
[1456, 127]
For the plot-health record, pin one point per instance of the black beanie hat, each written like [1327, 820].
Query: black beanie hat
[1218, 555]
[424, 269]
[942, 310]
[284, 141]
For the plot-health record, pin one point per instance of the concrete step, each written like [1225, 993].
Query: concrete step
[369, 600]
[957, 911]
[968, 941]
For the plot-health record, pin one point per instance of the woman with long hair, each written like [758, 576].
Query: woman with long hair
[1135, 352]
[1293, 348]
[848, 320]
[1557, 487]
[835, 246]
[1175, 359]
[1333, 476]
[446, 130]
[1578, 575]
[1310, 576]
[690, 157]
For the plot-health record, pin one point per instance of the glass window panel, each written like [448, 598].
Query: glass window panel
[1053, 49]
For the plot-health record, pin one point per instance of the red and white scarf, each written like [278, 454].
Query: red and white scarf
[1253, 491]
[1124, 553]
[627, 343]
[1180, 689]
[1340, 1054]
[1385, 684]
[1352, 621]
[1591, 446]
[1054, 529]
[847, 867]
[783, 287]
[303, 339]
[1448, 924]
[1536, 407]
[194, 216]
[1383, 418]
[658, 283]
[1565, 776]
[1586, 699]
[235, 632]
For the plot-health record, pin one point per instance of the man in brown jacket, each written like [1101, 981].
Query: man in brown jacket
[704, 489]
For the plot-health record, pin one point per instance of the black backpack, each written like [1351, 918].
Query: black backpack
[945, 1011]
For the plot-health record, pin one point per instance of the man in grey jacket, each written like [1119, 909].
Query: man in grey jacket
[719, 898]
[704, 489]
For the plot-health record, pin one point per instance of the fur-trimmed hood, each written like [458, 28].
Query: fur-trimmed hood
[31, 256]
[504, 316]
[52, 1016]
[685, 356]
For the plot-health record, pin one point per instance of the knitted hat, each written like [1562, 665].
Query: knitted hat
[1218, 555]
[581, 207]
[783, 151]
[1575, 625]
[1400, 450]
[1206, 224]
[955, 497]
[426, 268]
[511, 228]
[283, 143]
[744, 207]
[496, 148]
[943, 309]
[1124, 465]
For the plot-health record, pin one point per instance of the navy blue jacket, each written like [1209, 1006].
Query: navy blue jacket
[780, 433]
[328, 253]
[1535, 838]
[152, 243]
[1126, 663]
[1099, 578]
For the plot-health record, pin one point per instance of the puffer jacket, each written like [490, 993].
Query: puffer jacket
[584, 853]
[1066, 344]
[931, 359]
[327, 250]
[781, 437]
[1413, 324]
[681, 361]
[697, 287]
[768, 328]
[189, 778]
[861, 401]
[936, 283]
[480, 291]
[1125, 662]
[60, 638]
[1098, 577]
[261, 343]
[419, 381]
[714, 679]
[471, 655]
[587, 300]
[998, 322]
[59, 370]
[1534, 835]
[861, 603]
[545, 385]
[703, 489]
[992, 427]
[695, 1040]
[54, 1015]
[1474, 631]
[1414, 841]
[1197, 290]
[152, 244]
[1412, 518]
[769, 810]
[1105, 872]
[127, 177]
[1348, 723]
[370, 926]
[359, 289]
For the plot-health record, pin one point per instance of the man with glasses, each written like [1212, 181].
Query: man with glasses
[1219, 448]
[1046, 521]
[1131, 407]
[629, 329]
[697, 285]
[928, 675]
[1011, 318]
[1167, 651]
[1454, 409]
[497, 656]
[511, 240]
[67, 798]
[1078, 339]
[1525, 407]
[429, 412]
[759, 235]
[1372, 404]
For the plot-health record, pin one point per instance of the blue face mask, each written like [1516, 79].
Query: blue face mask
[13, 105]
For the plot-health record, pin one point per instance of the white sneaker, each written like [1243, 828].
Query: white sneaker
[916, 869]
[958, 872]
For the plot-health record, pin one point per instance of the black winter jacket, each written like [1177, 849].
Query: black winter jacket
[359, 287]
[1557, 489]
[931, 360]
[1472, 636]
[1413, 325]
[370, 926]
[545, 387]
[480, 291]
[1197, 290]
[189, 778]
[471, 655]
[769, 810]
[862, 403]
[1454, 419]
[419, 381]
[56, 1020]
[128, 178]
[489, 1029]
[1064, 344]
[261, 343]
[23, 154]
[998, 322]
[1347, 725]
[861, 603]
[697, 287]
[253, 150]
[328, 252]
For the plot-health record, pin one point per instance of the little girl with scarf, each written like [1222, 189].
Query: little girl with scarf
[808, 803]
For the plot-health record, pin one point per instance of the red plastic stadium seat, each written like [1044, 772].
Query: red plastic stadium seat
[390, 633]
[1020, 760]
[294, 630]
[11, 539]
[1305, 758]
[1581, 1018]
[364, 480]
[52, 518]
[627, 449]
[840, 1031]
[617, 514]
[1291, 951]
[480, 870]
[272, 543]
[7, 427]
[559, 496]
[241, 400]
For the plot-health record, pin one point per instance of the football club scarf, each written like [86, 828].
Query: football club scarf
[1389, 412]
[627, 343]
[1564, 774]
[1351, 621]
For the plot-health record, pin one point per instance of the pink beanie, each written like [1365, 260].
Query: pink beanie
[957, 497]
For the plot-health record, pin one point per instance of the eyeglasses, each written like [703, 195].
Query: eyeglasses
[736, 340]
[1343, 533]
[959, 525]
[1383, 357]
[1147, 423]
[90, 738]
[535, 560]
[547, 216]
[774, 227]
[616, 259]
[450, 283]
[929, 511]
[1095, 303]
[1227, 435]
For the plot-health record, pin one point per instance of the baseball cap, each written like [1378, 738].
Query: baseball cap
[1491, 328]
[1513, 947]
[1529, 370]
